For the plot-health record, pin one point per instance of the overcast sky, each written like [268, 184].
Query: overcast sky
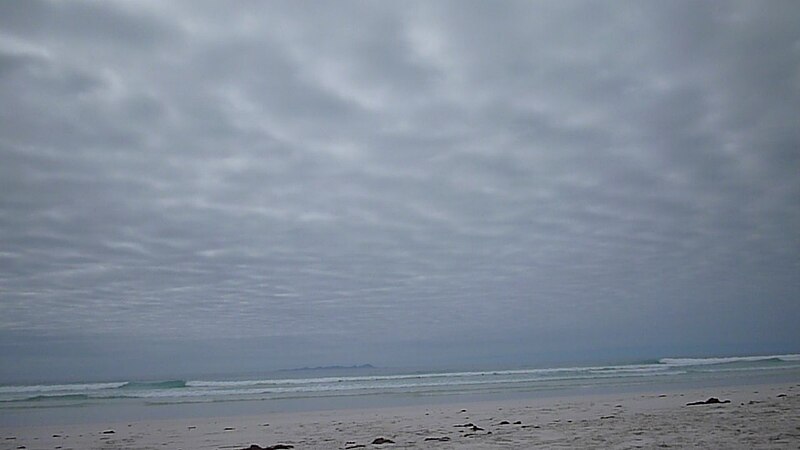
[396, 182]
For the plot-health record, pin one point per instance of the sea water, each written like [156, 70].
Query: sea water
[286, 391]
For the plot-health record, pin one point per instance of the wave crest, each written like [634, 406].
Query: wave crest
[169, 384]
[727, 360]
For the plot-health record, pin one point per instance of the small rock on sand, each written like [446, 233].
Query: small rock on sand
[381, 440]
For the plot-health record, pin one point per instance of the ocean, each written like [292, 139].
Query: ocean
[315, 389]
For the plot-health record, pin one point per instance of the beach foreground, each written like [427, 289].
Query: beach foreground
[757, 416]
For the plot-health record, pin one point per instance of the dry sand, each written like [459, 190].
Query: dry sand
[758, 416]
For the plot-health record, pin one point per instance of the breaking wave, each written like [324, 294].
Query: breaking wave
[728, 360]
[170, 384]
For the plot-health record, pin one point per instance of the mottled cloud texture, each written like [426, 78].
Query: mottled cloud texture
[539, 175]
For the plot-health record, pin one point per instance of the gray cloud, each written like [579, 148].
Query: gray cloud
[402, 174]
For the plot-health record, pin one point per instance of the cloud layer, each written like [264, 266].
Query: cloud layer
[429, 171]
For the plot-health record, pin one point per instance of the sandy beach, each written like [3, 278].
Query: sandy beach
[756, 416]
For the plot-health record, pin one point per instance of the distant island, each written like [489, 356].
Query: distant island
[302, 369]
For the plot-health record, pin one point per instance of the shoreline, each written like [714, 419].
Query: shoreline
[758, 416]
[133, 409]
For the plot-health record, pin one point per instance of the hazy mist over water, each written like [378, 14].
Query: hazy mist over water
[192, 187]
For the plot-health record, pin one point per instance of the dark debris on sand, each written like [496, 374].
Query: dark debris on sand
[710, 401]
[469, 425]
[273, 447]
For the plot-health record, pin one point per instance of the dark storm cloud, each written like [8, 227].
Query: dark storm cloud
[375, 171]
